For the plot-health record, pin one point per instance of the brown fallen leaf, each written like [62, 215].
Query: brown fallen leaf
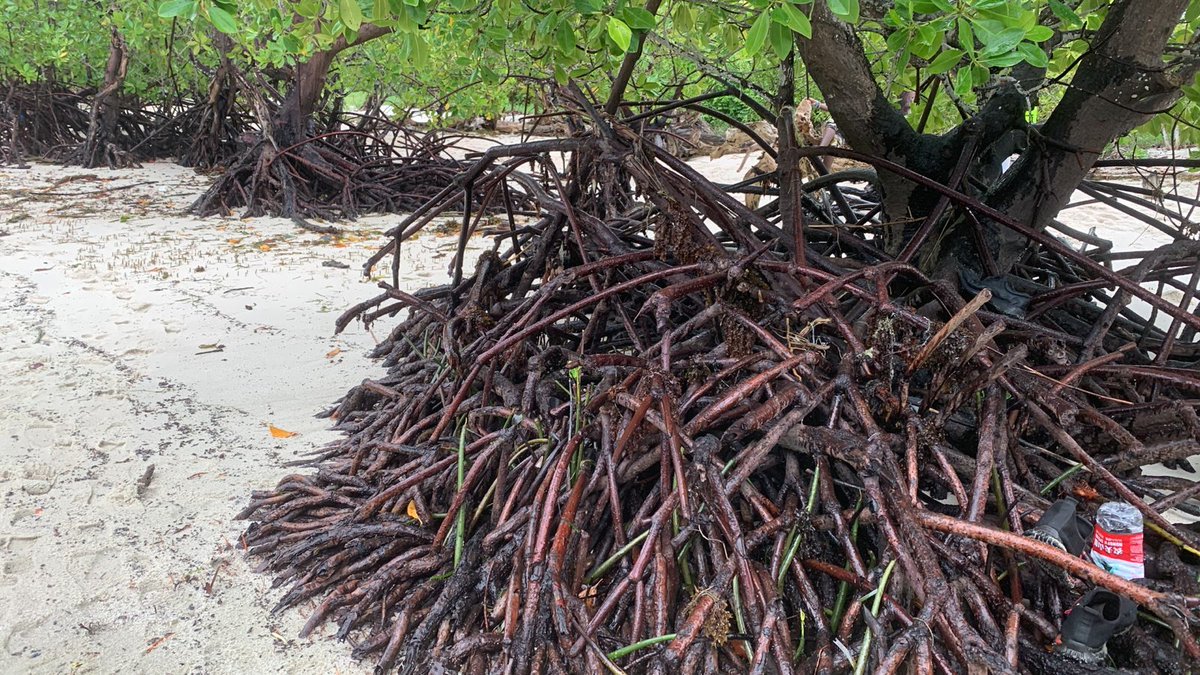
[276, 432]
[412, 512]
[264, 247]
[334, 352]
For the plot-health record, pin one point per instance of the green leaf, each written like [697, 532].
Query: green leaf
[788, 15]
[589, 6]
[945, 61]
[564, 37]
[498, 34]
[308, 8]
[380, 10]
[966, 36]
[992, 5]
[546, 26]
[992, 33]
[1034, 55]
[962, 82]
[1039, 34]
[780, 37]
[929, 39]
[174, 8]
[222, 20]
[846, 10]
[1065, 14]
[757, 37]
[419, 51]
[897, 40]
[1004, 60]
[1192, 12]
[732, 38]
[684, 20]
[350, 13]
[638, 18]
[620, 33]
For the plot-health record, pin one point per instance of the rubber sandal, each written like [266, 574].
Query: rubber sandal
[1099, 615]
[1062, 527]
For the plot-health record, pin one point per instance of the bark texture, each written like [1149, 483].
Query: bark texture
[308, 81]
[267, 176]
[100, 147]
[1121, 83]
[837, 62]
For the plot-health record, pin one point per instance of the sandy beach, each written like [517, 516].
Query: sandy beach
[134, 337]
[155, 368]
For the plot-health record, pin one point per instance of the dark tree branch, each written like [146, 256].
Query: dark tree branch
[1119, 84]
[837, 62]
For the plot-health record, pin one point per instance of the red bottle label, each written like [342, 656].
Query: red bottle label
[1119, 554]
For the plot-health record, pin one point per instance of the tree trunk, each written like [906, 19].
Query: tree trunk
[304, 93]
[308, 81]
[836, 60]
[1121, 83]
[10, 132]
[214, 135]
[99, 146]
[260, 178]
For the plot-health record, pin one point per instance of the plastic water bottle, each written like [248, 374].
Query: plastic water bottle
[1117, 545]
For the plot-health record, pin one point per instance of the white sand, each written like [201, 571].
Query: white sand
[107, 299]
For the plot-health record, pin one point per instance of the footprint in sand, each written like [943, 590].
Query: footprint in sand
[14, 569]
[17, 542]
[114, 437]
[39, 436]
[14, 641]
[83, 274]
[39, 479]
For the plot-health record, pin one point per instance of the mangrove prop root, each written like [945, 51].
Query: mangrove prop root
[646, 436]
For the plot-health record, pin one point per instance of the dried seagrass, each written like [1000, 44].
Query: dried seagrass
[658, 432]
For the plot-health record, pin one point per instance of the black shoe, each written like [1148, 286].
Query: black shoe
[1005, 299]
[1099, 615]
[1062, 527]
